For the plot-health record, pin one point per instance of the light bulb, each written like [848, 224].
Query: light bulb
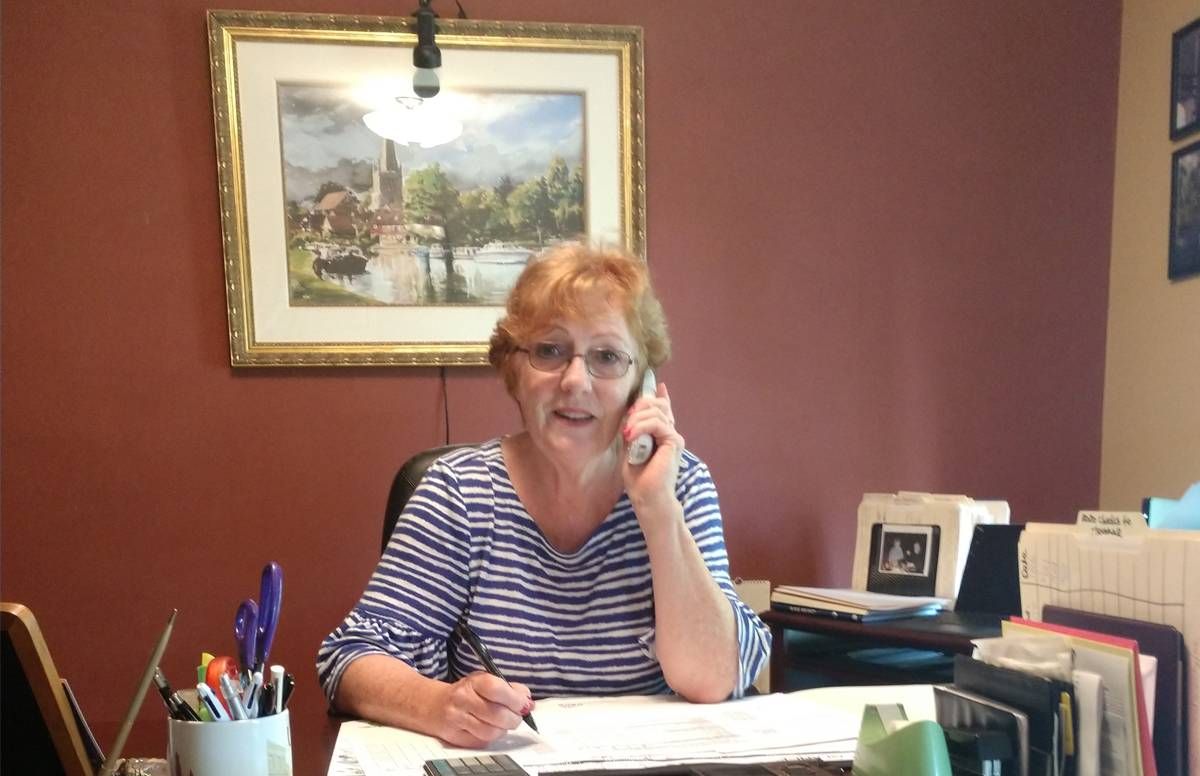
[425, 83]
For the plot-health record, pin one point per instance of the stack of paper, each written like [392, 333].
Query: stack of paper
[628, 732]
[852, 604]
[1124, 740]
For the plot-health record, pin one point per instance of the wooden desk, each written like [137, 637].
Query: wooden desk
[314, 734]
[825, 649]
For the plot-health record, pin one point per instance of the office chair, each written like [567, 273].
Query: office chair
[405, 482]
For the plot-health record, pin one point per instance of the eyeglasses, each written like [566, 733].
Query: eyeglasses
[605, 363]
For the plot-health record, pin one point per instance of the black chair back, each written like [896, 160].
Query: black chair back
[405, 482]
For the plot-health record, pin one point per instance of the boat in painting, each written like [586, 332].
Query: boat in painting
[502, 253]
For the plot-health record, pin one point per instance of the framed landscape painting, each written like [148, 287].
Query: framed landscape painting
[348, 244]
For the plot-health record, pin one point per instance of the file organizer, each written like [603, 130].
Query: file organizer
[1112, 564]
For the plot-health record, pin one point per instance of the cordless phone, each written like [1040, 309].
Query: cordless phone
[642, 448]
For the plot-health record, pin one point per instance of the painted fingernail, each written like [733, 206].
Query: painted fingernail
[528, 707]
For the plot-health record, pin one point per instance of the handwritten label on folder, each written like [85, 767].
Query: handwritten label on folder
[1111, 563]
[1115, 524]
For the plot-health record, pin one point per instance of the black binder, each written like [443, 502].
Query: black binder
[1039, 698]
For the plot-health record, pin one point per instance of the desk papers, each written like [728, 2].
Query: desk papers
[1109, 564]
[1125, 735]
[631, 731]
[1165, 709]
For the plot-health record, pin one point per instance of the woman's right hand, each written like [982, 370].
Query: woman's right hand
[479, 708]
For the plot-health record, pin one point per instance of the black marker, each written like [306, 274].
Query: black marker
[289, 684]
[485, 657]
[266, 700]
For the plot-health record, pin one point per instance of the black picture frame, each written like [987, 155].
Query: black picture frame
[903, 559]
[1184, 242]
[1185, 81]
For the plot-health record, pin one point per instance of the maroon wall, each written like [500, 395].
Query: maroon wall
[881, 232]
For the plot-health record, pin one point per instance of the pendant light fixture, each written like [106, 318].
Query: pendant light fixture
[419, 119]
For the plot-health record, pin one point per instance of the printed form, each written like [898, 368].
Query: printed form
[624, 732]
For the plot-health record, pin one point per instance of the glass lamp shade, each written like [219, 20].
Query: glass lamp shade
[414, 121]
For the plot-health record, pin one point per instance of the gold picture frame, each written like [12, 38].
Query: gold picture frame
[290, 235]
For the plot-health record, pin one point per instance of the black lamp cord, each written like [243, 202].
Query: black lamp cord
[445, 406]
[462, 14]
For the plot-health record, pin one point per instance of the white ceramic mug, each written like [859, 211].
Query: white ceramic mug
[248, 747]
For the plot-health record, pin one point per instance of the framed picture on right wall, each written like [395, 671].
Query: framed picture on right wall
[1184, 253]
[1185, 81]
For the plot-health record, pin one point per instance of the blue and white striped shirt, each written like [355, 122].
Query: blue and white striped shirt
[579, 623]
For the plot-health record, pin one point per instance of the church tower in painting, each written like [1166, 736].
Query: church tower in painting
[387, 193]
[387, 179]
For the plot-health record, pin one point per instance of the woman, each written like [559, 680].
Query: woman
[582, 573]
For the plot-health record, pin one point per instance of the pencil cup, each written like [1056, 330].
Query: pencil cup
[248, 747]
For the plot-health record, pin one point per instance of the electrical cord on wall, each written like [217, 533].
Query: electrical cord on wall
[445, 407]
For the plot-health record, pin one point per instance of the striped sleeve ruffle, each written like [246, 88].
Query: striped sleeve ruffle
[418, 591]
[359, 636]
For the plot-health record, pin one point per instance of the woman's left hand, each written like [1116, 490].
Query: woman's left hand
[652, 484]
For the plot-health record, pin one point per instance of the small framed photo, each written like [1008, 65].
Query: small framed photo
[1185, 81]
[903, 559]
[905, 549]
[1184, 250]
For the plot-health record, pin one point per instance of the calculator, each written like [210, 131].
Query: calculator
[480, 765]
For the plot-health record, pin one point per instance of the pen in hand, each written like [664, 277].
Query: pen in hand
[468, 635]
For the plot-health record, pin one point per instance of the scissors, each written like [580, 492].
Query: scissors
[270, 597]
[245, 632]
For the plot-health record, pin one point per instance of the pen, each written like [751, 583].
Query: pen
[485, 657]
[209, 699]
[232, 698]
[176, 706]
[250, 697]
[266, 700]
[289, 684]
[277, 688]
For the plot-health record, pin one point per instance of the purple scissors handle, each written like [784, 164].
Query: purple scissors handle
[270, 598]
[245, 631]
